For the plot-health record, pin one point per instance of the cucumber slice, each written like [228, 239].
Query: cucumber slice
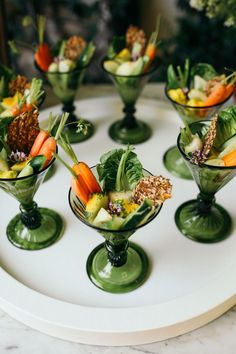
[102, 217]
[37, 162]
[27, 171]
[230, 141]
[228, 146]
[138, 216]
[215, 162]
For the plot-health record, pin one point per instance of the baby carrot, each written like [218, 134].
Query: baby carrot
[48, 149]
[216, 96]
[228, 91]
[80, 189]
[43, 56]
[230, 158]
[151, 51]
[83, 170]
[49, 146]
[40, 139]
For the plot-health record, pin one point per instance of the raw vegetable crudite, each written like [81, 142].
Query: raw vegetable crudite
[63, 65]
[124, 192]
[209, 150]
[130, 62]
[199, 85]
[132, 54]
[215, 145]
[130, 197]
[18, 94]
[22, 142]
[26, 154]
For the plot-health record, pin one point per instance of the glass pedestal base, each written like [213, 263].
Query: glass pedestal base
[118, 279]
[211, 227]
[175, 164]
[35, 239]
[73, 136]
[119, 132]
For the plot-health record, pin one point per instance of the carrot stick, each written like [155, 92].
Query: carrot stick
[48, 149]
[228, 91]
[43, 56]
[216, 96]
[151, 51]
[80, 189]
[40, 139]
[83, 170]
[230, 158]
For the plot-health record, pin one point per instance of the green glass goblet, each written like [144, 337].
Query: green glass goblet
[117, 265]
[65, 86]
[202, 219]
[189, 114]
[130, 130]
[33, 228]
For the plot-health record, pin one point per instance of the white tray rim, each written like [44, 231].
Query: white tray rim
[132, 326]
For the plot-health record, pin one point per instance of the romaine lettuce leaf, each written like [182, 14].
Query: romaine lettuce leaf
[204, 70]
[226, 126]
[119, 170]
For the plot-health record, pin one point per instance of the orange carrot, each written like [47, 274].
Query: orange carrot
[43, 56]
[217, 95]
[83, 170]
[48, 149]
[229, 88]
[151, 51]
[40, 139]
[18, 109]
[80, 189]
[230, 158]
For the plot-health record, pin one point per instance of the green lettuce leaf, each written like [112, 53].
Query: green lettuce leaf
[206, 71]
[226, 126]
[119, 170]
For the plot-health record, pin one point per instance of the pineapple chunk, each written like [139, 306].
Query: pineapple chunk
[18, 166]
[95, 203]
[8, 174]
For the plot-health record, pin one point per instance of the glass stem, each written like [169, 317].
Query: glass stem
[129, 118]
[30, 215]
[117, 254]
[205, 203]
[70, 108]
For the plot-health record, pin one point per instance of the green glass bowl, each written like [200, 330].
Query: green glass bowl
[117, 265]
[33, 228]
[130, 130]
[189, 114]
[202, 219]
[65, 86]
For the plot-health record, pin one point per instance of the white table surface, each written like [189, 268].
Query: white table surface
[217, 337]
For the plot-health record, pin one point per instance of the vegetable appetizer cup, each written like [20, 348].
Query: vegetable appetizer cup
[196, 93]
[64, 68]
[130, 63]
[209, 149]
[126, 199]
[18, 94]
[26, 154]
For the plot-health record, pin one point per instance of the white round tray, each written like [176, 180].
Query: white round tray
[190, 283]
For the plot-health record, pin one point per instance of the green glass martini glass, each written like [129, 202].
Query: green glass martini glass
[33, 228]
[65, 86]
[130, 130]
[117, 265]
[189, 114]
[202, 219]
